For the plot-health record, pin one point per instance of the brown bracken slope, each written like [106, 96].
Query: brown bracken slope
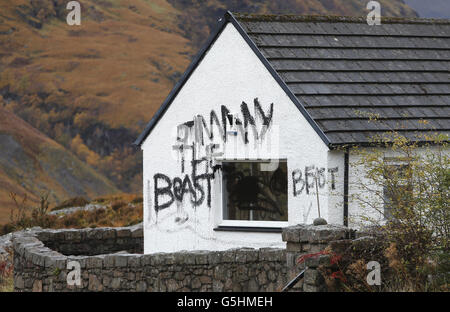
[33, 164]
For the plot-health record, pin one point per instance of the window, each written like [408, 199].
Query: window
[252, 194]
[397, 189]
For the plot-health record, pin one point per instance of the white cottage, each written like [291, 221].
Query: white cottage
[248, 141]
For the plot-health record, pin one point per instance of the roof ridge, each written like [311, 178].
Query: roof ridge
[334, 18]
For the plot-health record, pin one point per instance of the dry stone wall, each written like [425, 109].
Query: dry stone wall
[111, 259]
[311, 240]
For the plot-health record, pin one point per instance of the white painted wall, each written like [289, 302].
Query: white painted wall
[229, 74]
[336, 194]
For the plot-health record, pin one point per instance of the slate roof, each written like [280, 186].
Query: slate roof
[339, 71]
[343, 71]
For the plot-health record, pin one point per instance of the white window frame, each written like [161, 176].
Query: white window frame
[245, 223]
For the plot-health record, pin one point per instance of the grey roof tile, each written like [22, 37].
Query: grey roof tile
[399, 70]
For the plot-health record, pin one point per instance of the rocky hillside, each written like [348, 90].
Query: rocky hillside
[92, 88]
[430, 8]
[33, 164]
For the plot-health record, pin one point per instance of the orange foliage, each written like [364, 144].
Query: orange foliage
[83, 152]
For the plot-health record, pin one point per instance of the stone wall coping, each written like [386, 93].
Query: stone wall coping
[134, 231]
[42, 256]
[316, 234]
[32, 246]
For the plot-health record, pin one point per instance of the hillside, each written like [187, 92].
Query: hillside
[92, 88]
[430, 8]
[32, 163]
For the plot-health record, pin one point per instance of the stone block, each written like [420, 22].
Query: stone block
[229, 256]
[37, 286]
[95, 283]
[108, 234]
[137, 232]
[240, 256]
[171, 258]
[94, 234]
[252, 255]
[50, 261]
[179, 276]
[45, 235]
[61, 263]
[123, 232]
[313, 277]
[141, 286]
[146, 260]
[109, 261]
[106, 281]
[172, 285]
[116, 282]
[37, 258]
[156, 259]
[205, 279]
[306, 247]
[262, 278]
[290, 234]
[327, 233]
[59, 235]
[214, 257]
[18, 282]
[217, 286]
[73, 235]
[294, 247]
[316, 234]
[311, 288]
[315, 248]
[201, 257]
[195, 284]
[121, 260]
[134, 261]
[316, 261]
[272, 254]
[95, 262]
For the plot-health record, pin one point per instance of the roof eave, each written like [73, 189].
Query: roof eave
[365, 144]
[337, 18]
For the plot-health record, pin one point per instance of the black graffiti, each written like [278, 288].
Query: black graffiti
[333, 172]
[250, 120]
[306, 180]
[180, 187]
[296, 179]
[199, 124]
[321, 179]
[181, 148]
[177, 188]
[309, 178]
[191, 184]
[161, 191]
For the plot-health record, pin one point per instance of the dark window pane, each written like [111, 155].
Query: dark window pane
[397, 191]
[252, 194]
